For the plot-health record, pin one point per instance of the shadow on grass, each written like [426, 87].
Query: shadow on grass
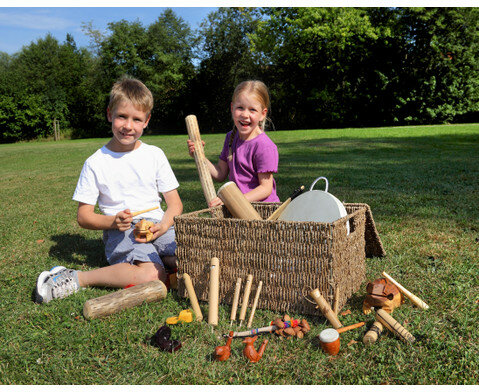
[76, 249]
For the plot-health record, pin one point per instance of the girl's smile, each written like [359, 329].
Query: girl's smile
[247, 114]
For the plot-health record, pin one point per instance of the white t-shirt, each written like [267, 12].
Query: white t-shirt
[120, 180]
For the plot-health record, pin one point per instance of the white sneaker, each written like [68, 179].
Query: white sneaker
[59, 282]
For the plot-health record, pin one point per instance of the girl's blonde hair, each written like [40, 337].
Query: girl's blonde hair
[261, 93]
[133, 90]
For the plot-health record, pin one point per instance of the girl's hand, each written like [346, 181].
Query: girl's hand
[215, 202]
[191, 147]
[123, 220]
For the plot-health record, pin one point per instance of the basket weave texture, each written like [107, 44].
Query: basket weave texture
[291, 258]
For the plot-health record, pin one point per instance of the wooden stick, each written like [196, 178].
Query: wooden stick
[214, 291]
[390, 323]
[414, 299]
[200, 160]
[142, 211]
[275, 215]
[350, 327]
[235, 301]
[336, 300]
[253, 332]
[373, 334]
[255, 304]
[192, 296]
[244, 305]
[124, 299]
[325, 308]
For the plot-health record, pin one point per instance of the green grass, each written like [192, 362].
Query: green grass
[422, 184]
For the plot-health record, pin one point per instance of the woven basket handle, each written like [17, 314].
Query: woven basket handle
[317, 179]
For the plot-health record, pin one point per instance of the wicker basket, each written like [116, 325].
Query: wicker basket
[290, 258]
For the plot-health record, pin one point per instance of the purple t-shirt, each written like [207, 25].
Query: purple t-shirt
[250, 157]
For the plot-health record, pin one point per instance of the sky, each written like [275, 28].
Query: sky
[20, 26]
[31, 20]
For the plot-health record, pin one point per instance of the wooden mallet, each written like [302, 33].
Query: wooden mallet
[275, 215]
[414, 299]
[124, 299]
[200, 159]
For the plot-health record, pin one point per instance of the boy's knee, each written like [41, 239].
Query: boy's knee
[152, 271]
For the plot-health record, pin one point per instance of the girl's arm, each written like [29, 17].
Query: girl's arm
[88, 219]
[263, 190]
[219, 171]
[174, 208]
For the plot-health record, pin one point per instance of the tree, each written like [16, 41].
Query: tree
[226, 60]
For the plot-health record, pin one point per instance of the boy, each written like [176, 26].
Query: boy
[125, 175]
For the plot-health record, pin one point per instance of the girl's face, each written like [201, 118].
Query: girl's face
[247, 112]
[127, 125]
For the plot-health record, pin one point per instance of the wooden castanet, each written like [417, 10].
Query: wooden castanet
[390, 323]
[234, 307]
[413, 298]
[244, 305]
[255, 304]
[200, 160]
[192, 296]
[214, 291]
[236, 202]
[373, 334]
[325, 308]
[124, 299]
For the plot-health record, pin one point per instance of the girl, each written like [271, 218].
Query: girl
[249, 156]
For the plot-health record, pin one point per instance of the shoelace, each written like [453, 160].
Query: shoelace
[63, 287]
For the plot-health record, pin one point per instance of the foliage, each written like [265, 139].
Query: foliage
[325, 67]
[226, 60]
[421, 183]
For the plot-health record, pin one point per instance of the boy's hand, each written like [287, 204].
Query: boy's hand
[123, 220]
[157, 229]
[191, 147]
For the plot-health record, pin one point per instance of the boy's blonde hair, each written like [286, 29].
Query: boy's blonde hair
[261, 93]
[133, 90]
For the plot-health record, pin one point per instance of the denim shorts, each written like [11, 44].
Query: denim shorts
[121, 247]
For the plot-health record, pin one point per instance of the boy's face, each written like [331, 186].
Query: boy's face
[127, 125]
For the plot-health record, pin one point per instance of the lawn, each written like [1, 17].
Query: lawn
[422, 184]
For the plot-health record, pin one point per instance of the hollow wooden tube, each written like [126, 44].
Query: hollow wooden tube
[236, 202]
[395, 327]
[325, 308]
[192, 296]
[214, 291]
[234, 307]
[200, 159]
[124, 299]
[244, 305]
[255, 304]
